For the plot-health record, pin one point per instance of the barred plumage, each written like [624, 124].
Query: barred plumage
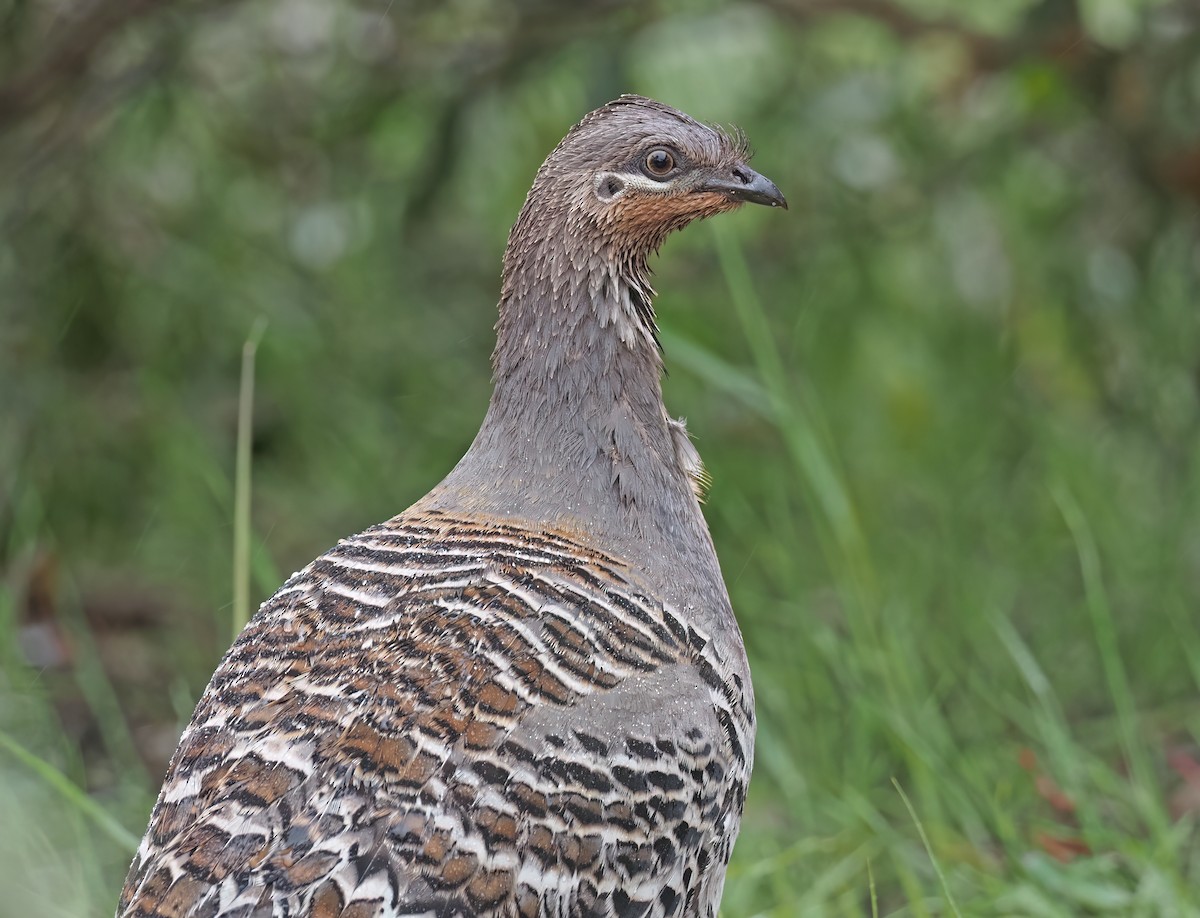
[527, 694]
[432, 671]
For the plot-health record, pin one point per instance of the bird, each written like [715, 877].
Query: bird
[527, 694]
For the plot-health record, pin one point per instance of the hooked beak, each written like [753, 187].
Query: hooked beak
[744, 184]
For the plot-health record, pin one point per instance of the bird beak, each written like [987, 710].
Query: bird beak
[744, 184]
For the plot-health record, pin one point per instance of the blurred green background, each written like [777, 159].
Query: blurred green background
[951, 400]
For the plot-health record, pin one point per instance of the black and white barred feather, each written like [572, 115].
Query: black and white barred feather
[454, 717]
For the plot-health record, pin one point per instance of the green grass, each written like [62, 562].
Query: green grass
[976, 815]
[861, 694]
[242, 483]
[948, 401]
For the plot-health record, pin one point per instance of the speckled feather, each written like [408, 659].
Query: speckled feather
[526, 695]
[400, 731]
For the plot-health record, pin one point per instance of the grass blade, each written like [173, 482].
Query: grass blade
[241, 486]
[800, 425]
[1104, 629]
[71, 792]
[937, 867]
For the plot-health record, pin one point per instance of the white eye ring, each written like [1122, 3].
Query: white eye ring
[610, 186]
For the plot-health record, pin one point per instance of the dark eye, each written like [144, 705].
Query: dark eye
[659, 162]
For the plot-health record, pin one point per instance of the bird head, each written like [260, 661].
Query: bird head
[636, 170]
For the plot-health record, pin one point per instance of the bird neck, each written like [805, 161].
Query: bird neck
[576, 432]
[576, 343]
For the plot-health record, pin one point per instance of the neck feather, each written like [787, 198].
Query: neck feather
[576, 428]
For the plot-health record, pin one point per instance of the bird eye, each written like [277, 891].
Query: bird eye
[659, 162]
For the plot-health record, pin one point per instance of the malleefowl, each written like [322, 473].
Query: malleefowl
[527, 694]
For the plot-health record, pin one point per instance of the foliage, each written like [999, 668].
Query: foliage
[949, 400]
